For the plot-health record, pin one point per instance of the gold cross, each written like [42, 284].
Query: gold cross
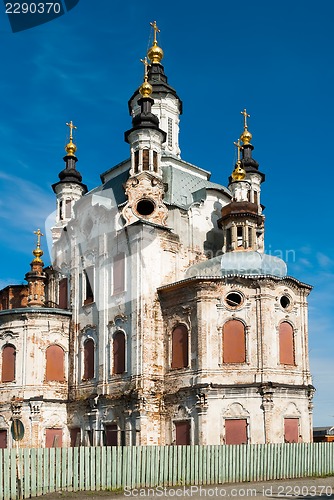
[144, 61]
[71, 129]
[39, 234]
[156, 30]
[238, 145]
[246, 115]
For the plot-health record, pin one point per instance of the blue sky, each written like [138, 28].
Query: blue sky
[222, 56]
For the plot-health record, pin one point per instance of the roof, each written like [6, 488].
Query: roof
[185, 188]
[186, 185]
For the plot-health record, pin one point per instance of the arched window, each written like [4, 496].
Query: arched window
[155, 161]
[234, 342]
[119, 352]
[136, 162]
[8, 364]
[55, 369]
[286, 344]
[180, 347]
[146, 159]
[89, 362]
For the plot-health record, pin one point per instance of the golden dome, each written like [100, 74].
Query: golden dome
[238, 173]
[246, 136]
[145, 89]
[155, 53]
[70, 148]
[38, 254]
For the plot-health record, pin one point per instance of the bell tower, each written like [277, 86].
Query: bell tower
[242, 219]
[145, 188]
[69, 188]
[36, 277]
[167, 105]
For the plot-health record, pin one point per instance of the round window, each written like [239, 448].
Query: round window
[145, 207]
[234, 299]
[285, 302]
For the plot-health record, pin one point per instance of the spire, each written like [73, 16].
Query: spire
[69, 189]
[242, 219]
[38, 252]
[71, 148]
[248, 162]
[36, 277]
[146, 88]
[145, 189]
[70, 173]
[167, 105]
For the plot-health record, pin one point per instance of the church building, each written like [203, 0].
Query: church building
[162, 320]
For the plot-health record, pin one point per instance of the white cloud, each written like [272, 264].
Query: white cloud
[24, 207]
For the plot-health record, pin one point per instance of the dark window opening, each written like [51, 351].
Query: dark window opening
[89, 288]
[182, 432]
[228, 239]
[180, 347]
[233, 299]
[111, 435]
[61, 210]
[234, 342]
[145, 207]
[255, 197]
[136, 167]
[285, 301]
[63, 293]
[146, 159]
[239, 236]
[250, 236]
[8, 364]
[155, 161]
[3, 438]
[89, 361]
[119, 352]
[75, 435]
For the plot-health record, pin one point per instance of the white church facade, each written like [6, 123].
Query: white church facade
[161, 320]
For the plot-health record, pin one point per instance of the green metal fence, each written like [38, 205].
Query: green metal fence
[33, 472]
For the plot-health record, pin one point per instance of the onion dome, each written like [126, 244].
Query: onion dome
[155, 53]
[70, 173]
[146, 88]
[156, 74]
[238, 173]
[145, 119]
